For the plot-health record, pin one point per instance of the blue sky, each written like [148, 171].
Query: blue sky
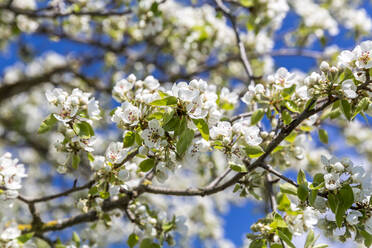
[239, 218]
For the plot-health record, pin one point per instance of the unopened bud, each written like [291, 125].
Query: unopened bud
[324, 66]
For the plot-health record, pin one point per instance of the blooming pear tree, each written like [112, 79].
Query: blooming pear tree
[161, 114]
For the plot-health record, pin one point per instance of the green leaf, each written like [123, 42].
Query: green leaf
[292, 106]
[258, 243]
[184, 141]
[25, 237]
[277, 149]
[129, 139]
[257, 116]
[323, 136]
[301, 177]
[247, 3]
[90, 157]
[147, 164]
[321, 246]
[291, 137]
[181, 126]
[283, 202]
[83, 129]
[312, 196]
[253, 151]
[287, 92]
[47, 124]
[132, 240]
[167, 101]
[104, 194]
[162, 94]
[76, 238]
[147, 243]
[340, 212]
[238, 167]
[302, 192]
[346, 196]
[75, 161]
[278, 222]
[318, 179]
[202, 127]
[138, 139]
[361, 106]
[346, 109]
[332, 202]
[286, 117]
[286, 239]
[316, 187]
[288, 188]
[171, 124]
[310, 239]
[367, 237]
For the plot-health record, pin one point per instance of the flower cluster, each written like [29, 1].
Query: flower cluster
[11, 174]
[76, 111]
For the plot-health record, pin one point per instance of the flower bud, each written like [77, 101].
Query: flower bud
[324, 66]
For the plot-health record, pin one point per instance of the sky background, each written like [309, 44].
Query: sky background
[238, 219]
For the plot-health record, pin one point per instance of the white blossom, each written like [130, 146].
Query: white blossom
[349, 88]
[115, 153]
[332, 181]
[153, 134]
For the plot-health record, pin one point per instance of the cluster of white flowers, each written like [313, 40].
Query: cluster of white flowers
[300, 223]
[70, 106]
[201, 99]
[357, 60]
[343, 171]
[11, 174]
[9, 235]
[316, 17]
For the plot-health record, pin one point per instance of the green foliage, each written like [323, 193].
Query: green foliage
[147, 164]
[202, 127]
[253, 151]
[47, 124]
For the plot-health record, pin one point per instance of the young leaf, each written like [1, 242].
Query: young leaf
[286, 239]
[332, 202]
[340, 212]
[167, 101]
[83, 129]
[323, 136]
[147, 164]
[129, 139]
[171, 124]
[283, 202]
[310, 239]
[202, 127]
[312, 196]
[346, 109]
[181, 126]
[238, 167]
[286, 117]
[288, 188]
[292, 106]
[132, 240]
[346, 196]
[25, 237]
[301, 177]
[257, 116]
[184, 141]
[76, 238]
[47, 124]
[253, 151]
[302, 192]
[75, 161]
